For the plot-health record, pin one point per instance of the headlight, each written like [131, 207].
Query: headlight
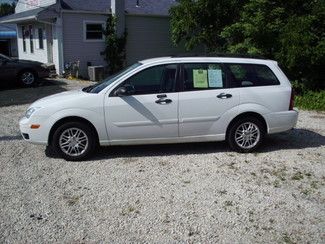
[44, 66]
[29, 112]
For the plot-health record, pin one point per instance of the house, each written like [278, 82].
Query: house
[64, 31]
[8, 40]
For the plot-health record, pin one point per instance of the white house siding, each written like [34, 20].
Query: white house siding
[39, 54]
[25, 5]
[148, 36]
[75, 47]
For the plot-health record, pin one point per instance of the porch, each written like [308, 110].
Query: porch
[39, 33]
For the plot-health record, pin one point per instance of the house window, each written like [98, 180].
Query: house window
[24, 37]
[93, 31]
[31, 41]
[40, 38]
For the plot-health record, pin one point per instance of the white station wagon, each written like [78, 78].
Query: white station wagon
[167, 100]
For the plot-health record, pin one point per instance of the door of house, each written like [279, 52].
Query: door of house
[49, 41]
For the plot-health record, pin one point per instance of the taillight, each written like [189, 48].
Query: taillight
[292, 99]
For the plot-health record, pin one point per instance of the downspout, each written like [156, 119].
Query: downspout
[60, 44]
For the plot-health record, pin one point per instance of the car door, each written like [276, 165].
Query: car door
[4, 70]
[150, 112]
[7, 70]
[204, 100]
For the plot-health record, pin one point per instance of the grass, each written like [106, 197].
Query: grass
[297, 176]
[311, 100]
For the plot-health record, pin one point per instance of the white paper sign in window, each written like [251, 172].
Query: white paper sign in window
[215, 78]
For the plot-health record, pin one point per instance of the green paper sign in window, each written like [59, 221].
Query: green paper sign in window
[200, 78]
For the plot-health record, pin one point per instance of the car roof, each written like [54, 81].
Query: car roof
[171, 59]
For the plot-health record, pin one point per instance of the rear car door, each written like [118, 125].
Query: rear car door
[204, 99]
[150, 113]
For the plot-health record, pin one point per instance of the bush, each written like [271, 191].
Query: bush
[311, 100]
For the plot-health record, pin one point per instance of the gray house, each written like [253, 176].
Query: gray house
[63, 31]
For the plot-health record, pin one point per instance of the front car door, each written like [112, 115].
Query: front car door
[150, 113]
[204, 100]
[7, 70]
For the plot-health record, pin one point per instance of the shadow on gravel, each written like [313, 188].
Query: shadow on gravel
[294, 139]
[160, 150]
[19, 96]
[11, 138]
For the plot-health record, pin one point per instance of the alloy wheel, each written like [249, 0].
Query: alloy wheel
[28, 78]
[73, 142]
[247, 135]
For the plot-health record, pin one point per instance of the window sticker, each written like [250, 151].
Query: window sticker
[200, 78]
[215, 78]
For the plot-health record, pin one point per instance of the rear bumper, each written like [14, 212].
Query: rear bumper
[281, 121]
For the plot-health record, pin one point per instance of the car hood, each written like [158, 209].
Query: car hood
[63, 97]
[30, 62]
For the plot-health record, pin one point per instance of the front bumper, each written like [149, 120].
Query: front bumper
[36, 136]
[48, 72]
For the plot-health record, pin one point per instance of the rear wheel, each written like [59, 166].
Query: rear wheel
[27, 78]
[74, 141]
[246, 134]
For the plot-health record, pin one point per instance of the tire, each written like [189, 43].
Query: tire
[246, 134]
[74, 141]
[27, 78]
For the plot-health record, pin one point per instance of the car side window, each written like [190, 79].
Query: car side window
[203, 76]
[157, 79]
[245, 75]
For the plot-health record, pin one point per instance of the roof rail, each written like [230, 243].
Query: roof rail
[226, 55]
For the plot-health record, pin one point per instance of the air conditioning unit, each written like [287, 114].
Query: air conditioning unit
[96, 73]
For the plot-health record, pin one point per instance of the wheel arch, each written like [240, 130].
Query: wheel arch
[20, 72]
[247, 114]
[64, 120]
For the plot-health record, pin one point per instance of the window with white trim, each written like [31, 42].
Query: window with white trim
[40, 38]
[31, 38]
[23, 31]
[93, 31]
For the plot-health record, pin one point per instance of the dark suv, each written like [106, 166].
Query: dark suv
[23, 72]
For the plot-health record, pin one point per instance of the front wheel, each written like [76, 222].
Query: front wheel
[27, 78]
[246, 134]
[74, 141]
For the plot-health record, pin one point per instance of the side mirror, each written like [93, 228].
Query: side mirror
[126, 90]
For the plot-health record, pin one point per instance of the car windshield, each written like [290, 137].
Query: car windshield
[102, 85]
[4, 57]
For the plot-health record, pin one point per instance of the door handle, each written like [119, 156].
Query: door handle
[161, 96]
[164, 101]
[224, 96]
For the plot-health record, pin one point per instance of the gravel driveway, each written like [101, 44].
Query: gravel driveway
[185, 193]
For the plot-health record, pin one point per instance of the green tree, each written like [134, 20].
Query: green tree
[114, 53]
[6, 8]
[291, 32]
[200, 22]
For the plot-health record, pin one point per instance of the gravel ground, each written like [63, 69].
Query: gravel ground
[185, 193]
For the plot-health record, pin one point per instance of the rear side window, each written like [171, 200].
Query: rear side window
[203, 76]
[245, 75]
